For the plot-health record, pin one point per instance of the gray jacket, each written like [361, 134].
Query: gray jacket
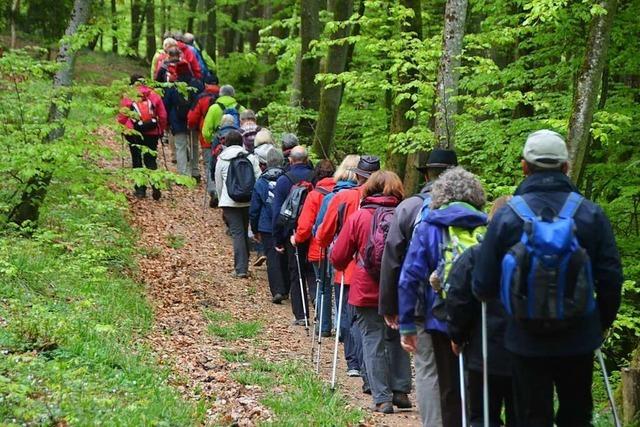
[395, 248]
[222, 168]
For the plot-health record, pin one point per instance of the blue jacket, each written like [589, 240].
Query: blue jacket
[177, 121]
[422, 259]
[260, 212]
[340, 185]
[283, 186]
[545, 193]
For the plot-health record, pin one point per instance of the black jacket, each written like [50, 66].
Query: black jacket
[395, 248]
[464, 319]
[547, 192]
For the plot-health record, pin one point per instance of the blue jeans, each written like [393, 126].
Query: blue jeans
[326, 295]
[350, 333]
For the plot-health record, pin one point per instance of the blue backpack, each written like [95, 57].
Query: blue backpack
[232, 111]
[547, 284]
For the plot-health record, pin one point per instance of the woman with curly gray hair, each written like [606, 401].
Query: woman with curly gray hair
[457, 197]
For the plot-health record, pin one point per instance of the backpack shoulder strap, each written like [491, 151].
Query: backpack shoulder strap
[221, 105]
[571, 205]
[521, 208]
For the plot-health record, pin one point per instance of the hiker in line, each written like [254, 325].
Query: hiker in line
[288, 141]
[340, 207]
[195, 120]
[456, 199]
[186, 55]
[177, 105]
[249, 129]
[235, 176]
[263, 142]
[261, 219]
[400, 231]
[547, 353]
[147, 116]
[323, 184]
[388, 366]
[225, 104]
[345, 178]
[298, 172]
[465, 329]
[190, 40]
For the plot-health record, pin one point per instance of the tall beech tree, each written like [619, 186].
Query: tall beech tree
[309, 65]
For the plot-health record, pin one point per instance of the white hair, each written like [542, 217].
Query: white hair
[227, 120]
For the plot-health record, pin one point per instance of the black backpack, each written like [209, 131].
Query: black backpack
[240, 179]
[292, 205]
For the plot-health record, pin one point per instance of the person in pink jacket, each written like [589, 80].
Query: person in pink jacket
[146, 119]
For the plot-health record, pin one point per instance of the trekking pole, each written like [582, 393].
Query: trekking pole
[463, 397]
[304, 304]
[323, 280]
[614, 411]
[335, 347]
[485, 367]
[315, 321]
[122, 150]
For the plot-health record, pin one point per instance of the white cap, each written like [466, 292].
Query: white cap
[545, 149]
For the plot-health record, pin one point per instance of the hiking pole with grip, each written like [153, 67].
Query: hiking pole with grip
[304, 304]
[605, 376]
[463, 395]
[338, 323]
[485, 367]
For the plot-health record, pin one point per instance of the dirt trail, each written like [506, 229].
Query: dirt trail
[187, 266]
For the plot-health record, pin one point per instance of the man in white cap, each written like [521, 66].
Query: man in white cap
[554, 322]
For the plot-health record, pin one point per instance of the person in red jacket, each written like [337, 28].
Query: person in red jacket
[195, 120]
[324, 183]
[388, 366]
[341, 206]
[187, 56]
[146, 120]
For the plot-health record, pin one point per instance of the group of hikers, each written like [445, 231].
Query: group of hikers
[498, 310]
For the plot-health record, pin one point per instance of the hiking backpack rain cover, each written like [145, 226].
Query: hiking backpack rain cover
[547, 284]
[240, 179]
[147, 119]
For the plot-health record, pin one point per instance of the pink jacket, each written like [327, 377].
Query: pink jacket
[145, 93]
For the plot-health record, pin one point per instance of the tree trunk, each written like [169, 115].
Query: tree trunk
[35, 190]
[588, 87]
[254, 33]
[238, 36]
[400, 123]
[137, 21]
[210, 39]
[447, 84]
[331, 97]
[151, 29]
[114, 27]
[309, 66]
[630, 394]
[193, 5]
[15, 11]
[163, 17]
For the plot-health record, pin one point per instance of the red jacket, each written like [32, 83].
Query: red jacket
[187, 55]
[145, 93]
[308, 218]
[327, 230]
[351, 241]
[195, 117]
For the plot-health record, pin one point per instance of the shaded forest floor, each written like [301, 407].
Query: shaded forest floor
[223, 339]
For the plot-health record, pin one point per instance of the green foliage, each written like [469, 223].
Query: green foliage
[223, 325]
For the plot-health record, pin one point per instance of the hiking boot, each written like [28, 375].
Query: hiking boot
[261, 259]
[285, 296]
[242, 275]
[213, 202]
[401, 400]
[325, 334]
[366, 389]
[299, 322]
[384, 407]
[353, 373]
[197, 178]
[277, 299]
[156, 194]
[140, 193]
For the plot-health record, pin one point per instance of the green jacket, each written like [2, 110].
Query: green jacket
[214, 115]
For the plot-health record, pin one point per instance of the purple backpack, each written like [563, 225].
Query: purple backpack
[371, 259]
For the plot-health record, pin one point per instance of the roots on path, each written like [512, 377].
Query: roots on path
[186, 263]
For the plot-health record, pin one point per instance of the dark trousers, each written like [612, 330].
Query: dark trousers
[138, 159]
[308, 276]
[534, 379]
[276, 266]
[448, 380]
[237, 220]
[500, 394]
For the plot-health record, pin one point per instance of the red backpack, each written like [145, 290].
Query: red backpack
[147, 118]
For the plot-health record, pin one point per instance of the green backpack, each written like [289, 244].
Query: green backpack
[456, 240]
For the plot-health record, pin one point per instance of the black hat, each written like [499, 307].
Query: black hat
[438, 158]
[367, 165]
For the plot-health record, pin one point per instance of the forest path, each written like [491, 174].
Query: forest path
[186, 263]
